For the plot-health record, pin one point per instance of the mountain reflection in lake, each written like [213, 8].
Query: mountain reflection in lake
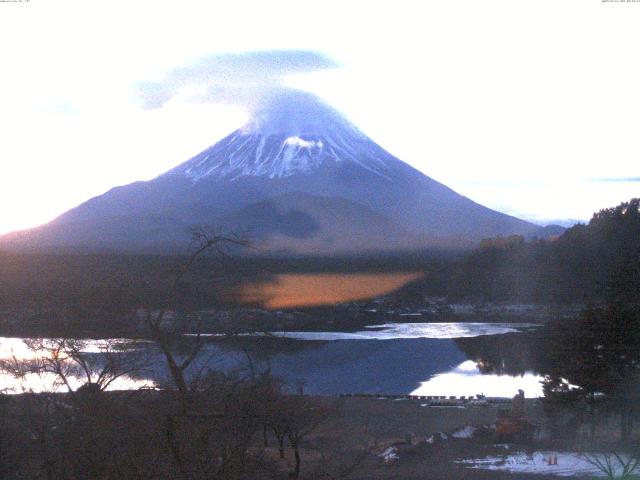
[424, 359]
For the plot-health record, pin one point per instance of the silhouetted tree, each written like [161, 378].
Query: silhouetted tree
[600, 351]
[169, 318]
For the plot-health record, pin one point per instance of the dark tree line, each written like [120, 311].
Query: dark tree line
[599, 352]
[591, 363]
[579, 266]
[144, 434]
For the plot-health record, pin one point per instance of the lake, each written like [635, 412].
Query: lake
[395, 358]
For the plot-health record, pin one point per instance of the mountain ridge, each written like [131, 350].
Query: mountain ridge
[296, 144]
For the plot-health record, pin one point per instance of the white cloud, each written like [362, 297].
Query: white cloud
[236, 78]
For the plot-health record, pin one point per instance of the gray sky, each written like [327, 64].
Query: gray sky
[529, 107]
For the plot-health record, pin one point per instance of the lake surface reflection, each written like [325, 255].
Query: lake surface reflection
[392, 331]
[18, 356]
[423, 359]
[467, 379]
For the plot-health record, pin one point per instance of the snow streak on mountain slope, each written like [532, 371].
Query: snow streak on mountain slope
[292, 136]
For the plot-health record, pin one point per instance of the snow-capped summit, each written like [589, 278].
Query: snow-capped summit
[293, 134]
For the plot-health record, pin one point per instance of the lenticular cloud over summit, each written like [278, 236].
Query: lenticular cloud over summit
[244, 79]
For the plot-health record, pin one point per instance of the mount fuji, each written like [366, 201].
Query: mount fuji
[298, 178]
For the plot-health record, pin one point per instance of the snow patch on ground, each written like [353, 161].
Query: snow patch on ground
[466, 432]
[390, 455]
[567, 465]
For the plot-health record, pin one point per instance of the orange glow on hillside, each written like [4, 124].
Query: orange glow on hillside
[314, 289]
